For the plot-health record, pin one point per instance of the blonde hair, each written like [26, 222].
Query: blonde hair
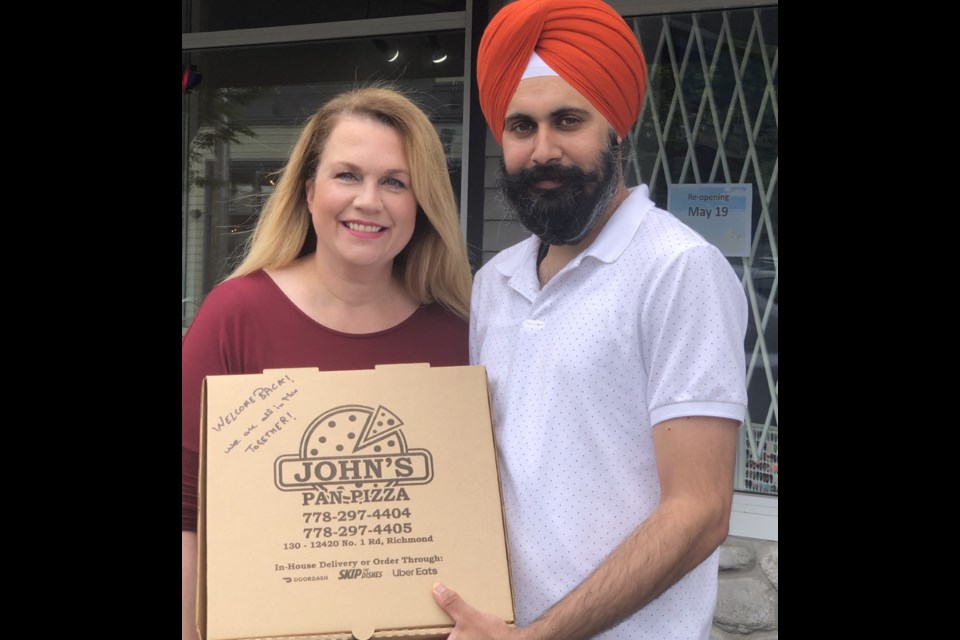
[433, 266]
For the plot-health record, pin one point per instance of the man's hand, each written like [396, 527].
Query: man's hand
[470, 623]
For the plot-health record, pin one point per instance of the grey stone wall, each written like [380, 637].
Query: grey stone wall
[747, 595]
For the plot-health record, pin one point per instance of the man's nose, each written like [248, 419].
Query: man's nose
[546, 149]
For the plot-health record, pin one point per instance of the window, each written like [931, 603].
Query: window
[711, 116]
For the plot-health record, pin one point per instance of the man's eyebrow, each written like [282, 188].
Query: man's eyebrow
[556, 113]
[563, 111]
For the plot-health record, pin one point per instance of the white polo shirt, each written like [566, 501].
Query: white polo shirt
[645, 325]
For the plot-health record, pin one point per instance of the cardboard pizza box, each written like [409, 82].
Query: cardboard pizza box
[330, 502]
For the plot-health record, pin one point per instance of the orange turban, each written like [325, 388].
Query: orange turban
[586, 42]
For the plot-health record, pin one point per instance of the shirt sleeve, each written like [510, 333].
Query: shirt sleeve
[189, 473]
[694, 329]
[200, 355]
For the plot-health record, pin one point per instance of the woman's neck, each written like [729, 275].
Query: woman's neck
[354, 301]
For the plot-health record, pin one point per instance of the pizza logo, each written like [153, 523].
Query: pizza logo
[353, 446]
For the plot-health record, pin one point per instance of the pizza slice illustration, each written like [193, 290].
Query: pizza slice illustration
[381, 424]
[353, 429]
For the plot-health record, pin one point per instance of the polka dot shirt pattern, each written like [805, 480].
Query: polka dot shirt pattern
[645, 325]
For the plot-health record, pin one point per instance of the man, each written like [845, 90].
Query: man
[613, 342]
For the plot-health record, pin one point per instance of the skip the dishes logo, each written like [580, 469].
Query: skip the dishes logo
[353, 454]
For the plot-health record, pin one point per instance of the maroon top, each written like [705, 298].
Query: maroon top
[248, 324]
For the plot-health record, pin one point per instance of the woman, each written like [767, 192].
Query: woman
[357, 259]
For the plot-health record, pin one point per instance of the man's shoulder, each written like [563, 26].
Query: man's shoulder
[669, 233]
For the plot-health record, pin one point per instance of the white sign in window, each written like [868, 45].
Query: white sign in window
[721, 213]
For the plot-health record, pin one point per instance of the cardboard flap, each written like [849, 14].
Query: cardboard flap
[363, 631]
[408, 368]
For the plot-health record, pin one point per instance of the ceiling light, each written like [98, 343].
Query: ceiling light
[389, 53]
[438, 55]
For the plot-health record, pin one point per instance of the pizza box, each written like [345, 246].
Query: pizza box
[330, 502]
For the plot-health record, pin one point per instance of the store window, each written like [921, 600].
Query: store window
[711, 117]
[243, 108]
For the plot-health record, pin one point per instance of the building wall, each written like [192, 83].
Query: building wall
[748, 592]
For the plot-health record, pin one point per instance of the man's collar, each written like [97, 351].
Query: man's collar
[615, 236]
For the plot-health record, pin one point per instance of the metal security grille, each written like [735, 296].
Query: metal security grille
[711, 116]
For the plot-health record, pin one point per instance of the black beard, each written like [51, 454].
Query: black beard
[567, 213]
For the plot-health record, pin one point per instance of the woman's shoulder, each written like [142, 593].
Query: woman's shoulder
[251, 287]
[436, 313]
[241, 296]
[436, 335]
[435, 321]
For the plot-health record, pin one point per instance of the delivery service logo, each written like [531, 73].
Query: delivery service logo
[359, 453]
